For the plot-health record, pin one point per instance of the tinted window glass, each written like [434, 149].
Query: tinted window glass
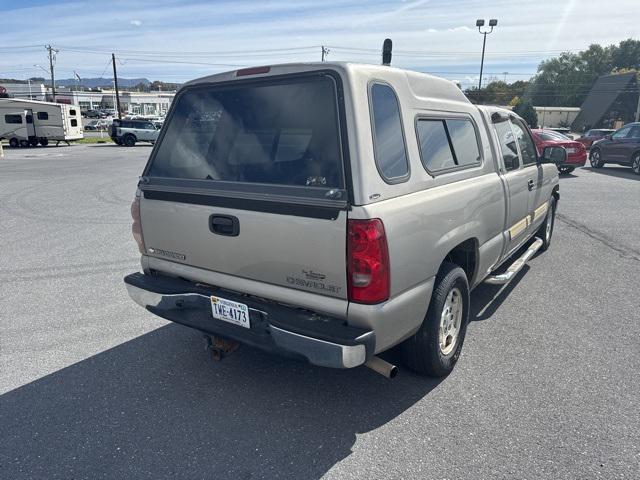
[43, 116]
[13, 118]
[29, 118]
[622, 133]
[507, 145]
[74, 122]
[278, 133]
[72, 112]
[464, 140]
[635, 133]
[388, 139]
[527, 147]
[435, 150]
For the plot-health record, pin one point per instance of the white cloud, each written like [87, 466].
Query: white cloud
[136, 23]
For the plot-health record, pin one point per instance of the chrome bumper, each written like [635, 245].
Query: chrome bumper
[193, 309]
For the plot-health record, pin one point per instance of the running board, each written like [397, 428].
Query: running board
[516, 266]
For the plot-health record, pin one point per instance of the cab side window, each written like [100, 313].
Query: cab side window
[507, 145]
[388, 137]
[525, 142]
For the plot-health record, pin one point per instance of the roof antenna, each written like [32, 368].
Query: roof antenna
[387, 45]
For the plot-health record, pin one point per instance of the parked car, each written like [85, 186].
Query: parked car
[95, 114]
[622, 147]
[97, 125]
[331, 211]
[593, 135]
[576, 151]
[128, 132]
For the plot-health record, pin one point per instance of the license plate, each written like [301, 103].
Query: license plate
[571, 150]
[228, 311]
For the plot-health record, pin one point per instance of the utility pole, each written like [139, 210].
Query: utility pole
[115, 83]
[325, 52]
[52, 57]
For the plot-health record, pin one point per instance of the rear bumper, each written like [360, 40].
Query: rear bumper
[577, 160]
[320, 339]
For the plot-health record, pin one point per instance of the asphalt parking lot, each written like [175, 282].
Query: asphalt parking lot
[92, 386]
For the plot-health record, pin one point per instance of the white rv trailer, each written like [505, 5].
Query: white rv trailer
[29, 122]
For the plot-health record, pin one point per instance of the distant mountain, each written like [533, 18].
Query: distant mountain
[102, 82]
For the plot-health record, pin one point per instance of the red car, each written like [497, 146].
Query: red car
[576, 151]
[593, 135]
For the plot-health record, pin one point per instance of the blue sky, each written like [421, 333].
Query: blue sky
[179, 40]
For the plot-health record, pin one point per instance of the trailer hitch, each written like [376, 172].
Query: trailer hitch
[219, 347]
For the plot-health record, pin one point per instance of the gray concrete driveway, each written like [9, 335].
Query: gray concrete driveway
[95, 387]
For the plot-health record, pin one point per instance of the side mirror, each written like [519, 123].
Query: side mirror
[555, 155]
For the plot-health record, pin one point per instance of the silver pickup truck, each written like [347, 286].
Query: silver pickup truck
[331, 211]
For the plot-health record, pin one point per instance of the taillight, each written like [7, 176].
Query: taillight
[136, 226]
[367, 261]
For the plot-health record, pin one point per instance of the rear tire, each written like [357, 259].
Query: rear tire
[595, 157]
[635, 163]
[545, 232]
[14, 143]
[33, 142]
[44, 141]
[435, 348]
[565, 170]
[129, 140]
[24, 143]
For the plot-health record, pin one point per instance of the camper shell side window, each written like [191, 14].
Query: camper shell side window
[389, 144]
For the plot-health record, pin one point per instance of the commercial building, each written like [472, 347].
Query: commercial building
[133, 103]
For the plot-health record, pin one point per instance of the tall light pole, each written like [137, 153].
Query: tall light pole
[480, 23]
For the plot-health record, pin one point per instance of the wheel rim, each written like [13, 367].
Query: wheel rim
[595, 158]
[450, 321]
[636, 164]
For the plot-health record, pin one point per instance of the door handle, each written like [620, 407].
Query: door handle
[227, 225]
[530, 184]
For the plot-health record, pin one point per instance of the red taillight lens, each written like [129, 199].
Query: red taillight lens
[368, 261]
[252, 71]
[136, 226]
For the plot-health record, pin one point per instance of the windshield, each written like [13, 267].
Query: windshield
[551, 136]
[283, 132]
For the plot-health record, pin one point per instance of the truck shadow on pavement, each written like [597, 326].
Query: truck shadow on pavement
[486, 298]
[158, 407]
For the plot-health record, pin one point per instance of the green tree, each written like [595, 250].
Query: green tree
[567, 79]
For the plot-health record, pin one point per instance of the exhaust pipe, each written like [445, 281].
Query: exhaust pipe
[382, 367]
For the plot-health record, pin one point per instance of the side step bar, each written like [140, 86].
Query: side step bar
[516, 266]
